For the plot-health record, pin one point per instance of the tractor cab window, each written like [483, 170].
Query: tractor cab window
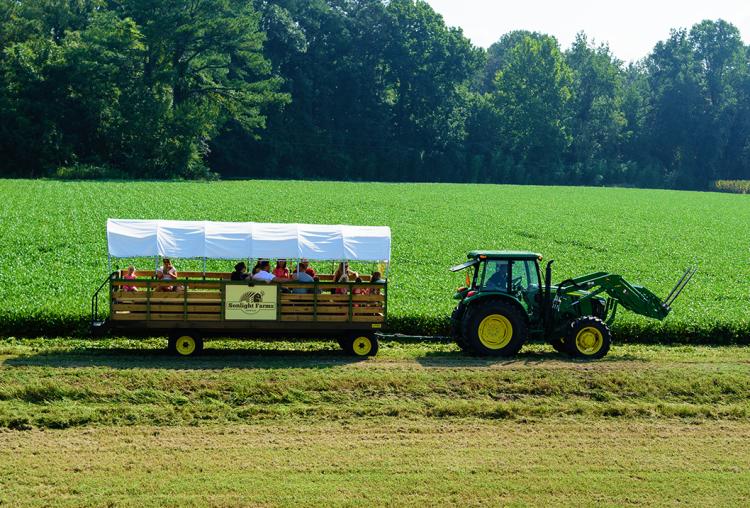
[525, 276]
[495, 275]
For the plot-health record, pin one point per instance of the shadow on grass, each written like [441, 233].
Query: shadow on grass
[523, 359]
[209, 359]
[262, 358]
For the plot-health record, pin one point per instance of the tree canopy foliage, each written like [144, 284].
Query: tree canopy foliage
[358, 89]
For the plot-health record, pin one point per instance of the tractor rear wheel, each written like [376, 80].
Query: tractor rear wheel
[456, 332]
[494, 328]
[588, 338]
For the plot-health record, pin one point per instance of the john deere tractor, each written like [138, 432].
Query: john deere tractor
[505, 303]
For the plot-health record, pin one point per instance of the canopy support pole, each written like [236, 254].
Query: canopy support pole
[156, 264]
[109, 263]
[204, 268]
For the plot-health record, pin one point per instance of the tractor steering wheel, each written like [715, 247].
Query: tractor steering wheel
[516, 283]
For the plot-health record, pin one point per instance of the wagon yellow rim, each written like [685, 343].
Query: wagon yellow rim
[186, 345]
[589, 340]
[362, 346]
[495, 331]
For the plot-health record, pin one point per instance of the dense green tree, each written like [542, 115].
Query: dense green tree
[497, 55]
[358, 89]
[426, 64]
[532, 95]
[694, 87]
[597, 119]
[140, 86]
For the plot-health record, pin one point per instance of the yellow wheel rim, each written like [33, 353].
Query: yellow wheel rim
[362, 346]
[186, 345]
[495, 331]
[589, 340]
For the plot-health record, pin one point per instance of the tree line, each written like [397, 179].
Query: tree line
[358, 90]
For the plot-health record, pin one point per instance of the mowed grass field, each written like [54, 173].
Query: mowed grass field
[122, 423]
[54, 249]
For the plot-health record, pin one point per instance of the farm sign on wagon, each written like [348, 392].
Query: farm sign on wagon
[254, 303]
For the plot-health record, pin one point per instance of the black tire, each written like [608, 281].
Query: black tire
[559, 345]
[456, 332]
[362, 344]
[342, 342]
[185, 344]
[588, 338]
[504, 328]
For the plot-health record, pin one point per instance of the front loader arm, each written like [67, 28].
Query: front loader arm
[635, 298]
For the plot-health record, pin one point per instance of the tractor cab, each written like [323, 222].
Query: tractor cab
[511, 273]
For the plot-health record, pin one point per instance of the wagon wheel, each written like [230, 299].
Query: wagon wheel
[362, 344]
[186, 344]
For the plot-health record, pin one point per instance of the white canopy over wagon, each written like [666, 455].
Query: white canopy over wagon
[129, 238]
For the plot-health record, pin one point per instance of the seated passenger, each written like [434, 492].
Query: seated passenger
[302, 276]
[240, 271]
[130, 276]
[360, 290]
[166, 272]
[376, 278]
[281, 271]
[304, 266]
[342, 291]
[264, 273]
[342, 270]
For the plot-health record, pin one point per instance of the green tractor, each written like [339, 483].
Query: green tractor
[505, 303]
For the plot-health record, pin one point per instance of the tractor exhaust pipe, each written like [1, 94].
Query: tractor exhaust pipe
[677, 289]
[547, 303]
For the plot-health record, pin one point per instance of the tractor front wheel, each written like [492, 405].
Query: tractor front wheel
[558, 345]
[494, 328]
[588, 338]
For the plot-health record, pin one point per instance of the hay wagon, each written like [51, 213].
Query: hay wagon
[202, 304]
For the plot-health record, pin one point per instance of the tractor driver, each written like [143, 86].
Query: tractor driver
[498, 281]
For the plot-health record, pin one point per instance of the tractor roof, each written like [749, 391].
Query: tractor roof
[504, 254]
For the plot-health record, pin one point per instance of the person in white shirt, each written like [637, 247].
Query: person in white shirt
[264, 273]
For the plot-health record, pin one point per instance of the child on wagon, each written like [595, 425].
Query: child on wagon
[167, 272]
[130, 276]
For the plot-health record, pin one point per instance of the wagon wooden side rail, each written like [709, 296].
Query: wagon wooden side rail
[155, 303]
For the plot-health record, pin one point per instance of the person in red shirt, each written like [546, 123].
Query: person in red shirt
[304, 266]
[281, 271]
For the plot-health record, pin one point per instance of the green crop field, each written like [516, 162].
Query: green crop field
[54, 249]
